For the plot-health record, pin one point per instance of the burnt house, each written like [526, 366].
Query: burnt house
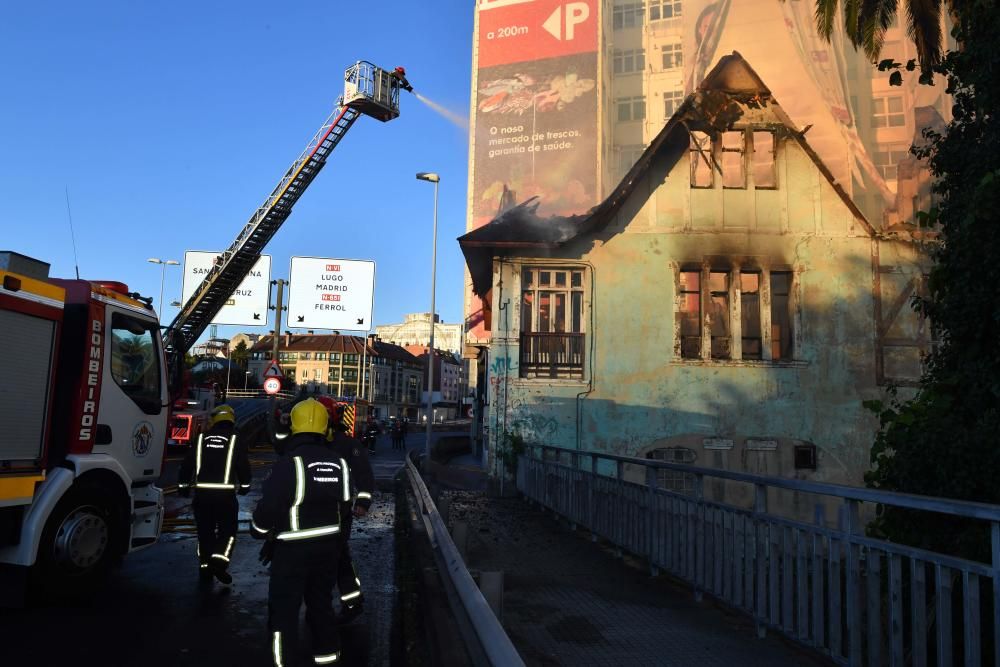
[727, 305]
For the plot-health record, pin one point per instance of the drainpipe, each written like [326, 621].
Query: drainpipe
[592, 334]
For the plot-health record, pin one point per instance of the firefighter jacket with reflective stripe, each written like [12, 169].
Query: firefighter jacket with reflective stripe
[362, 477]
[301, 499]
[217, 461]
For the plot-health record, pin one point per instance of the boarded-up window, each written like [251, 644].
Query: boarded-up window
[718, 285]
[750, 314]
[689, 294]
[781, 315]
[763, 160]
[701, 160]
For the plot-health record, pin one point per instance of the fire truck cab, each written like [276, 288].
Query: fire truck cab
[84, 406]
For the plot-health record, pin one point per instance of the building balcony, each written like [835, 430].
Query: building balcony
[552, 355]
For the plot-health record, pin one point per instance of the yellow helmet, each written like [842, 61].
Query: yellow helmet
[222, 413]
[309, 416]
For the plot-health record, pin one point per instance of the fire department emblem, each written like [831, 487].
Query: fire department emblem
[142, 438]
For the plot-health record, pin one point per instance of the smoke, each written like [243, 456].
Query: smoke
[452, 117]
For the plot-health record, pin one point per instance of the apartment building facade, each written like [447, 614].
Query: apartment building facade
[348, 366]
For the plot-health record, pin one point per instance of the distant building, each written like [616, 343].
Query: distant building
[336, 365]
[449, 381]
[396, 381]
[416, 330]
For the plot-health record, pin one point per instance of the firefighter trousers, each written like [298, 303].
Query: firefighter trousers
[303, 570]
[348, 582]
[215, 513]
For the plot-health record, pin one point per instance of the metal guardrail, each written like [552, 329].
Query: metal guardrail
[858, 599]
[493, 640]
[258, 393]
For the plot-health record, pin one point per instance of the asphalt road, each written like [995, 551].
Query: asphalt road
[151, 611]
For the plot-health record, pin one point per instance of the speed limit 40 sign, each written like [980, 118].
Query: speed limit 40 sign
[272, 385]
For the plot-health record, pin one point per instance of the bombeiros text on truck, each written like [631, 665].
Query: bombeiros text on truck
[91, 383]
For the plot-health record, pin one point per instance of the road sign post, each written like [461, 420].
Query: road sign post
[272, 385]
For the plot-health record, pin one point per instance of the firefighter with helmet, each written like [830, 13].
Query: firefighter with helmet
[400, 75]
[363, 480]
[299, 516]
[217, 468]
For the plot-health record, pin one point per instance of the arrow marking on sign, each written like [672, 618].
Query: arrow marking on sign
[553, 25]
[361, 320]
[302, 318]
[576, 13]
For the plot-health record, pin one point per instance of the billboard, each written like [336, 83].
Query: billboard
[536, 112]
[327, 293]
[248, 305]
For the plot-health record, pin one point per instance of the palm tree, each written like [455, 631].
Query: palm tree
[865, 22]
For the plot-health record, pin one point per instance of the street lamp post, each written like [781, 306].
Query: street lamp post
[435, 179]
[246, 376]
[164, 263]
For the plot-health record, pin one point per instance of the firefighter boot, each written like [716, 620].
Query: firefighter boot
[221, 572]
[204, 576]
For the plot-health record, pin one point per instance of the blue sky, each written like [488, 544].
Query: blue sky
[171, 122]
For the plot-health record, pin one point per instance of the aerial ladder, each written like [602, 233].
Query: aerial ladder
[368, 90]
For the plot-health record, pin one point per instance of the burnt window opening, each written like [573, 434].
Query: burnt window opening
[781, 315]
[750, 315]
[718, 287]
[674, 480]
[805, 457]
[700, 153]
[734, 159]
[715, 308]
[732, 149]
[764, 171]
[689, 308]
[552, 327]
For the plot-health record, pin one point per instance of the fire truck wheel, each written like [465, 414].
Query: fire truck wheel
[78, 543]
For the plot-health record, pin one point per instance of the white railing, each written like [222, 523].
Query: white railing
[858, 599]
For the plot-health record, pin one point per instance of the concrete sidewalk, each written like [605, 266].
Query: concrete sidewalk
[568, 601]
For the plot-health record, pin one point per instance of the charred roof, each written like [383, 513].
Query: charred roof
[719, 101]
